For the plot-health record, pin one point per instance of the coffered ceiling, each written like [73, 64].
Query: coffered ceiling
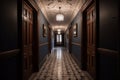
[50, 8]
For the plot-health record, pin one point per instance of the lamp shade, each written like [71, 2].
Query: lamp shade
[59, 17]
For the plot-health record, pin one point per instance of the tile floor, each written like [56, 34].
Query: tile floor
[60, 66]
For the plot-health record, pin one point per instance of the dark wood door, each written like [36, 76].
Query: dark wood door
[91, 40]
[70, 39]
[49, 39]
[27, 31]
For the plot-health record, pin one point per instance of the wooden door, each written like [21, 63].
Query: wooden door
[91, 40]
[70, 39]
[27, 31]
[49, 39]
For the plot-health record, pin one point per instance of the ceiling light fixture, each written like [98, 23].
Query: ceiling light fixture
[59, 31]
[59, 16]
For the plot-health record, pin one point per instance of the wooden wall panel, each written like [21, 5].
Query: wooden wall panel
[10, 63]
[108, 42]
[108, 66]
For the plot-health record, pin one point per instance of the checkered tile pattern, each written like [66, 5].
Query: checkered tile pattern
[60, 66]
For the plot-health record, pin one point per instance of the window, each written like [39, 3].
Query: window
[59, 38]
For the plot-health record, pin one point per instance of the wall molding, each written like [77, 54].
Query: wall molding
[75, 59]
[85, 5]
[9, 53]
[43, 61]
[33, 4]
[42, 44]
[78, 44]
[107, 51]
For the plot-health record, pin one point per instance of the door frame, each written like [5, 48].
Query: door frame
[35, 42]
[55, 40]
[70, 38]
[49, 38]
[84, 8]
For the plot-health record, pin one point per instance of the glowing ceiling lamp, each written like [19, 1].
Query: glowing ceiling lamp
[59, 16]
[59, 31]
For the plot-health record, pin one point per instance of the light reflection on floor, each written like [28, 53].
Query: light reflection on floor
[59, 59]
[59, 53]
[60, 66]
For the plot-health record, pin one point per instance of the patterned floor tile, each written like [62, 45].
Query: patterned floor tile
[60, 66]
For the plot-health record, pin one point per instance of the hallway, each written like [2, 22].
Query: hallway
[60, 66]
[59, 40]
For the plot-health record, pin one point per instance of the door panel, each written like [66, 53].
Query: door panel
[27, 32]
[91, 42]
[49, 39]
[70, 39]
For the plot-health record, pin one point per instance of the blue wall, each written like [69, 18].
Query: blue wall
[107, 39]
[76, 49]
[43, 50]
[76, 52]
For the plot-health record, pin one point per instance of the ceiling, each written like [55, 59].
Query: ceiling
[50, 8]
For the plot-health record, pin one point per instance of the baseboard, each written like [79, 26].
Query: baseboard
[77, 62]
[88, 75]
[42, 62]
[33, 76]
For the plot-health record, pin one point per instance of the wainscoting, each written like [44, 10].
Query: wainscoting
[43, 53]
[108, 64]
[10, 65]
[76, 53]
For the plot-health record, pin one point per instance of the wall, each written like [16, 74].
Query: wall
[52, 39]
[10, 60]
[8, 18]
[107, 25]
[9, 51]
[76, 41]
[108, 40]
[43, 41]
[67, 39]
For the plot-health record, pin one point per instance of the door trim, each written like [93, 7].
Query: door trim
[35, 42]
[49, 39]
[86, 6]
[70, 38]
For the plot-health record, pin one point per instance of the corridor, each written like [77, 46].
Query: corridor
[59, 40]
[60, 66]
